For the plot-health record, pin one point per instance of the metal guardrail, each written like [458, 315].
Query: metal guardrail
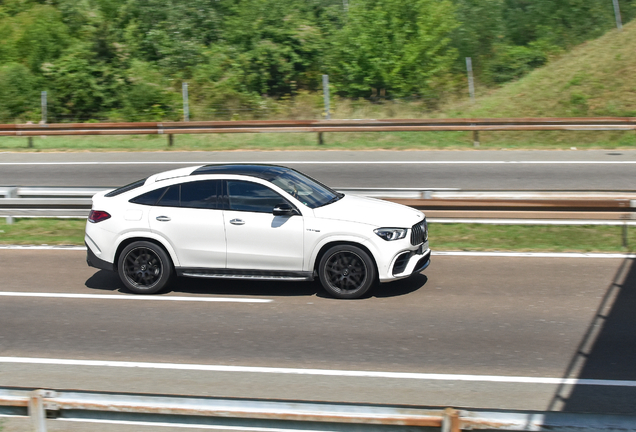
[41, 405]
[370, 125]
[443, 205]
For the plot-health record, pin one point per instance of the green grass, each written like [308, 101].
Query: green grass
[43, 231]
[464, 237]
[530, 238]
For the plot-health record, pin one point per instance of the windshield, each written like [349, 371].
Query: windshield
[305, 189]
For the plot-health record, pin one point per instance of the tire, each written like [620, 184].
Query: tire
[144, 267]
[346, 271]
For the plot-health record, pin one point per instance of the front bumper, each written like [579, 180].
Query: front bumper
[423, 263]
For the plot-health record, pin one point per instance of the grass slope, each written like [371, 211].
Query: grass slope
[594, 79]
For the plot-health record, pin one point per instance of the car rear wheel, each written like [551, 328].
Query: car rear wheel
[346, 271]
[144, 267]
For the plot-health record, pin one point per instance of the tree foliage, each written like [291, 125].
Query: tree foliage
[126, 59]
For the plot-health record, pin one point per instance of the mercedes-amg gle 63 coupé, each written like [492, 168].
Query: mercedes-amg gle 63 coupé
[242, 221]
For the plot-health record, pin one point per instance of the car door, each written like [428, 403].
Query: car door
[256, 239]
[190, 216]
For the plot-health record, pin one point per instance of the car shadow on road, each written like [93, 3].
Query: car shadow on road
[607, 352]
[109, 281]
[400, 287]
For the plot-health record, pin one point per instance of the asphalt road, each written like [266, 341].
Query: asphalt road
[471, 322]
[471, 170]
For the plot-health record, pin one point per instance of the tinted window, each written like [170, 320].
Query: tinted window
[247, 196]
[149, 198]
[126, 188]
[171, 197]
[201, 194]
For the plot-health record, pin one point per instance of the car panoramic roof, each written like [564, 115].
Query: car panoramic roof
[265, 172]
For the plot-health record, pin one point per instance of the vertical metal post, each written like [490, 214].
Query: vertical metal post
[170, 140]
[325, 91]
[30, 141]
[625, 238]
[471, 81]
[617, 13]
[36, 410]
[44, 108]
[11, 193]
[450, 421]
[475, 138]
[186, 107]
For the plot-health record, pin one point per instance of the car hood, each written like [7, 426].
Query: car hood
[370, 211]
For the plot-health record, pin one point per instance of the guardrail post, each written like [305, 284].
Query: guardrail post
[37, 409]
[476, 138]
[170, 140]
[625, 239]
[321, 141]
[12, 193]
[450, 420]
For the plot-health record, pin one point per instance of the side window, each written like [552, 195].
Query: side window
[201, 194]
[254, 197]
[149, 198]
[171, 197]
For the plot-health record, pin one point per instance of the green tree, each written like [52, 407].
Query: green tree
[481, 28]
[33, 37]
[402, 46]
[172, 33]
[277, 47]
[19, 92]
[81, 86]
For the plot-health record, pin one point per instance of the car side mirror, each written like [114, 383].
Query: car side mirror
[285, 209]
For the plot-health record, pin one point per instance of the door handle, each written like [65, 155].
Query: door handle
[237, 222]
[163, 218]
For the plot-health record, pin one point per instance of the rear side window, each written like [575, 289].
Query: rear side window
[201, 194]
[149, 198]
[171, 198]
[126, 188]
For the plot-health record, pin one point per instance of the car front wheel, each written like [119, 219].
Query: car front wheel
[144, 267]
[346, 271]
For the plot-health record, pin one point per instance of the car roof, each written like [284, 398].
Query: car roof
[262, 171]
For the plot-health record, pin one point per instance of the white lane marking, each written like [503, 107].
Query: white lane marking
[411, 162]
[438, 253]
[186, 426]
[132, 297]
[321, 372]
[534, 254]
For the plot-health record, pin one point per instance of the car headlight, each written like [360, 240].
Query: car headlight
[390, 234]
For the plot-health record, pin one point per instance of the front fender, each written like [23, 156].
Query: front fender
[341, 238]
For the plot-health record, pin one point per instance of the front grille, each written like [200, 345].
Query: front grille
[419, 233]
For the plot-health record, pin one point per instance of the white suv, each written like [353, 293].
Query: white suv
[252, 222]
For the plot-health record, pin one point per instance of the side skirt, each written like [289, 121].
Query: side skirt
[292, 276]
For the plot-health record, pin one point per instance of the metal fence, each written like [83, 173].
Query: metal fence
[608, 208]
[44, 406]
[323, 126]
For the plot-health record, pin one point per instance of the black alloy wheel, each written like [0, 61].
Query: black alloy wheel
[346, 271]
[144, 267]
